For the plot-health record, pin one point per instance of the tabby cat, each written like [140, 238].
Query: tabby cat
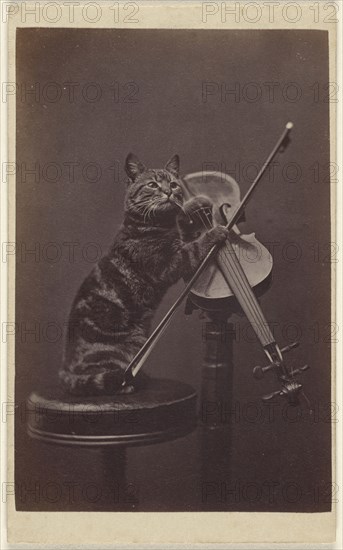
[111, 315]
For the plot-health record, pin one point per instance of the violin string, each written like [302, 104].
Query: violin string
[245, 291]
[247, 294]
[249, 301]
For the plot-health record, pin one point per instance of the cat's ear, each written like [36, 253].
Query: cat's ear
[133, 166]
[173, 165]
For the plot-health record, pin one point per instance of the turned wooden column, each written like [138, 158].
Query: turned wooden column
[215, 408]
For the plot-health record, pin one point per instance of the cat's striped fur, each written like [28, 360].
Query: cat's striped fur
[112, 312]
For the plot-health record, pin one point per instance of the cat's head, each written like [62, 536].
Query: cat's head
[154, 196]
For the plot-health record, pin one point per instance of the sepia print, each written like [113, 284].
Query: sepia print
[174, 323]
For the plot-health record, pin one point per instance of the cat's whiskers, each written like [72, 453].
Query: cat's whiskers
[147, 215]
[148, 211]
[148, 206]
[143, 203]
[143, 207]
[151, 210]
[179, 204]
[155, 208]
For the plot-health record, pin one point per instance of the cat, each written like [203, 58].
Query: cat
[112, 312]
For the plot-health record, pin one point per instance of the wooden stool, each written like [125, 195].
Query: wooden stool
[164, 410]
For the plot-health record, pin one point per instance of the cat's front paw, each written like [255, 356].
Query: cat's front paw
[197, 205]
[191, 220]
[217, 235]
[140, 382]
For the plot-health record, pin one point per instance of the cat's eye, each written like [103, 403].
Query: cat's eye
[174, 185]
[152, 185]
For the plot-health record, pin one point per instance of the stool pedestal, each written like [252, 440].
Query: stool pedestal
[216, 405]
[162, 411]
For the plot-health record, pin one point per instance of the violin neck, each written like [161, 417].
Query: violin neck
[273, 353]
[237, 280]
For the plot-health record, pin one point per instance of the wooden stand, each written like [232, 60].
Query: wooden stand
[216, 406]
[163, 411]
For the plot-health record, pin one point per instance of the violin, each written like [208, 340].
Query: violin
[211, 291]
[222, 274]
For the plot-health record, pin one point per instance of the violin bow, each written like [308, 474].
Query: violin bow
[138, 361]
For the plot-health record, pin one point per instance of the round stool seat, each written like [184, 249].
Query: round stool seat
[163, 410]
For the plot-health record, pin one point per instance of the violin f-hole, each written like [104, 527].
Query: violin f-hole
[224, 217]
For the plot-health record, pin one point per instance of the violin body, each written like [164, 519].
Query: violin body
[211, 291]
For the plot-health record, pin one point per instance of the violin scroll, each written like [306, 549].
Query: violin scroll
[290, 387]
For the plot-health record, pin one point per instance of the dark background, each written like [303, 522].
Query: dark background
[166, 114]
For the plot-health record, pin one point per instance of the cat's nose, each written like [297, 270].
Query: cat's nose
[168, 192]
